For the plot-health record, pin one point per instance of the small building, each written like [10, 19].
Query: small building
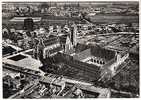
[11, 82]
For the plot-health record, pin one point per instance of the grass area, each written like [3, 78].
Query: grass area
[115, 19]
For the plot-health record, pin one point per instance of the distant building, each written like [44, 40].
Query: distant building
[28, 24]
[21, 19]
[51, 29]
[18, 22]
[5, 30]
[12, 30]
[5, 33]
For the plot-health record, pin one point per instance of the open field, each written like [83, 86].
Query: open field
[114, 19]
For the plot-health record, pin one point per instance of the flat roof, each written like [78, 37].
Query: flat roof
[23, 60]
[21, 19]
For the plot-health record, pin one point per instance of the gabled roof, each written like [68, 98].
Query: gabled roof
[49, 40]
[90, 70]
[95, 51]
[83, 55]
[102, 53]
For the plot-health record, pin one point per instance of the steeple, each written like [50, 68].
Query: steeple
[73, 35]
[68, 46]
[39, 49]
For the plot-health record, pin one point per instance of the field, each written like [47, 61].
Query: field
[115, 19]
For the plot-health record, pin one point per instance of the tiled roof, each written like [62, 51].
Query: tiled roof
[83, 55]
[102, 53]
[86, 51]
[90, 70]
[49, 40]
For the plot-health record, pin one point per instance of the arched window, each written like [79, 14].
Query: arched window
[97, 61]
[94, 60]
[101, 62]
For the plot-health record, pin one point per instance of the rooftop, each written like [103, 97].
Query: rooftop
[76, 69]
[84, 51]
[21, 19]
[22, 60]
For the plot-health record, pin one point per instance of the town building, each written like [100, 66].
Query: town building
[23, 61]
[47, 46]
[95, 62]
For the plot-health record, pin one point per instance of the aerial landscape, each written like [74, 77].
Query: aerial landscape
[70, 49]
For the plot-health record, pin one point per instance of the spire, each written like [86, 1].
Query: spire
[74, 34]
[38, 52]
[68, 45]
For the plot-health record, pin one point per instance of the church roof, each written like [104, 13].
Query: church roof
[49, 40]
[84, 51]
[90, 70]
